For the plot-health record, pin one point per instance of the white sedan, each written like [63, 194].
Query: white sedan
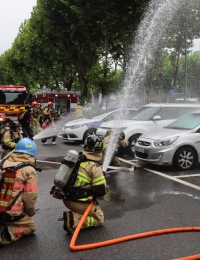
[78, 130]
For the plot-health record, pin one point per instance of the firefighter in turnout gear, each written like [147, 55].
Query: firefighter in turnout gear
[90, 184]
[11, 138]
[121, 144]
[50, 111]
[41, 114]
[35, 122]
[18, 196]
[79, 110]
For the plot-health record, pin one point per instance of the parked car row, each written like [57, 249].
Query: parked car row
[162, 134]
[78, 130]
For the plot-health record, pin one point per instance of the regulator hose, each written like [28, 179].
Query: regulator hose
[122, 239]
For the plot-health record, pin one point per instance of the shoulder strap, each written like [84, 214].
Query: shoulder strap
[97, 164]
[20, 166]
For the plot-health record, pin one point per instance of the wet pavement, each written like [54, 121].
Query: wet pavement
[136, 202]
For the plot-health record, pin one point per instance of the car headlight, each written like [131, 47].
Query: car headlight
[123, 128]
[74, 126]
[166, 142]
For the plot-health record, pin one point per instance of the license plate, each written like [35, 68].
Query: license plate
[140, 149]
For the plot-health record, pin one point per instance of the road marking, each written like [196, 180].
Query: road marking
[47, 162]
[174, 179]
[187, 176]
[166, 176]
[123, 160]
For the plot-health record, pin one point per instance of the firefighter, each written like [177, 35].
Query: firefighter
[50, 111]
[11, 138]
[35, 121]
[41, 114]
[90, 184]
[121, 144]
[79, 110]
[16, 222]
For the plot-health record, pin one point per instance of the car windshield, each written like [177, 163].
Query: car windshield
[145, 113]
[187, 122]
[13, 97]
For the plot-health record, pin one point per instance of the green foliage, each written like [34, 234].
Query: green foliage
[72, 42]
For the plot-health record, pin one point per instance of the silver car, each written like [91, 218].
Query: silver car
[176, 144]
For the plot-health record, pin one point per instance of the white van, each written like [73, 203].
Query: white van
[149, 117]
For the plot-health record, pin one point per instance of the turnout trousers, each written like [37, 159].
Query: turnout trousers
[95, 217]
[36, 123]
[23, 227]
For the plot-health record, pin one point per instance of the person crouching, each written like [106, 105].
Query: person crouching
[52, 128]
[18, 193]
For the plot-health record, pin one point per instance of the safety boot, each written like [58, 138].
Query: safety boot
[5, 238]
[68, 221]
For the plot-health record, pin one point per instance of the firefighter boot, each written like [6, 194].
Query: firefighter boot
[68, 221]
[5, 238]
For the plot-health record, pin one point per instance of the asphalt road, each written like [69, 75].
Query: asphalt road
[150, 198]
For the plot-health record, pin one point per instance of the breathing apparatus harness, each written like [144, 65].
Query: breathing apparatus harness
[7, 180]
[69, 192]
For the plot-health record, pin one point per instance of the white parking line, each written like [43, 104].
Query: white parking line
[173, 178]
[123, 160]
[47, 162]
[187, 176]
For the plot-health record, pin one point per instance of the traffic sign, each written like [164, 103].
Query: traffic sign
[173, 93]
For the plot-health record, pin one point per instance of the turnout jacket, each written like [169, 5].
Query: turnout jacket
[90, 177]
[10, 140]
[49, 111]
[79, 111]
[35, 111]
[26, 184]
[122, 143]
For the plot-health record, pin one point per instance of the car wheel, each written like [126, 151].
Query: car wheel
[90, 131]
[185, 158]
[132, 143]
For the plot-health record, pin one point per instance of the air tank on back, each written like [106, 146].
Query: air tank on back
[66, 168]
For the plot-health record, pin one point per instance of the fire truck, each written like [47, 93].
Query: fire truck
[64, 102]
[13, 100]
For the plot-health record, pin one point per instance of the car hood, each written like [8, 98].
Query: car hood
[88, 122]
[123, 123]
[76, 121]
[162, 133]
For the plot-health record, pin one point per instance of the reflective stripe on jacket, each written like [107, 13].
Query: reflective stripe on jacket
[10, 142]
[89, 175]
[25, 182]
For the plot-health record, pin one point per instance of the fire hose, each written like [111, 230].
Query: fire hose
[127, 238]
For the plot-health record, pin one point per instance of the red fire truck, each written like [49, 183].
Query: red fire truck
[12, 101]
[64, 102]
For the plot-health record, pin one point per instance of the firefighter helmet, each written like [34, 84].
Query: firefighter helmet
[14, 124]
[78, 103]
[34, 103]
[50, 103]
[39, 104]
[93, 143]
[26, 145]
[121, 135]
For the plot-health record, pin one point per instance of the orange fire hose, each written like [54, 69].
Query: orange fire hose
[122, 239]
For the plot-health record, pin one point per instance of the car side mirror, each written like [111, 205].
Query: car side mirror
[156, 118]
